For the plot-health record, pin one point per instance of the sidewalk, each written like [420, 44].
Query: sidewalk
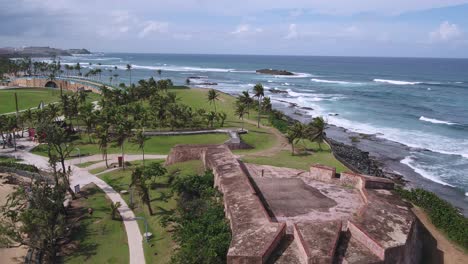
[82, 177]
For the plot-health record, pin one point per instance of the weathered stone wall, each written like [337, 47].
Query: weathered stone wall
[61, 84]
[322, 173]
[366, 240]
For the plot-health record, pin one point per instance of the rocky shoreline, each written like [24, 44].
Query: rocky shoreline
[376, 156]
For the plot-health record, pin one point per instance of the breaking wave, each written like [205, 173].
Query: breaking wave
[396, 82]
[436, 121]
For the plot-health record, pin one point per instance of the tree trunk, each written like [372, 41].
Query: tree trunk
[123, 160]
[148, 204]
[258, 121]
[143, 152]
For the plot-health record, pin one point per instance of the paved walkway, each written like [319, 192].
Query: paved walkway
[83, 177]
[111, 158]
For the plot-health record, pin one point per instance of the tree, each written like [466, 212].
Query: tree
[142, 188]
[35, 218]
[295, 133]
[187, 81]
[140, 139]
[222, 118]
[154, 171]
[259, 93]
[114, 209]
[59, 147]
[266, 105]
[210, 117]
[124, 130]
[129, 69]
[159, 71]
[316, 131]
[213, 96]
[241, 110]
[102, 134]
[245, 99]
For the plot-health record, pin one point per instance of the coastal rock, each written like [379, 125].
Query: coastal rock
[278, 91]
[356, 159]
[78, 51]
[207, 83]
[274, 72]
[307, 108]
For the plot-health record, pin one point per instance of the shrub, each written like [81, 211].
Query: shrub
[200, 227]
[442, 214]
[19, 166]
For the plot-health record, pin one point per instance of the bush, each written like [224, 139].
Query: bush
[200, 227]
[277, 120]
[442, 214]
[19, 166]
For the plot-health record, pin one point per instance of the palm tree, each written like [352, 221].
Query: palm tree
[245, 99]
[102, 134]
[140, 182]
[129, 69]
[114, 209]
[140, 139]
[241, 110]
[210, 117]
[78, 68]
[316, 131]
[259, 93]
[213, 96]
[124, 129]
[187, 81]
[222, 118]
[159, 71]
[295, 133]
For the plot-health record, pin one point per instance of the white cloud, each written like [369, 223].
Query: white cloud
[153, 27]
[445, 32]
[246, 29]
[292, 32]
[241, 29]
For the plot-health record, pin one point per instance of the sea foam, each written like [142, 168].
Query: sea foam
[436, 121]
[396, 82]
[411, 162]
[333, 82]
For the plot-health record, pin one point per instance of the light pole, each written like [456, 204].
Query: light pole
[146, 235]
[79, 154]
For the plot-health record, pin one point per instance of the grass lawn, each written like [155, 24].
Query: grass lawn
[30, 97]
[101, 239]
[300, 161]
[163, 202]
[258, 138]
[154, 145]
[88, 163]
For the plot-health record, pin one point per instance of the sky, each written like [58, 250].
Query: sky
[397, 28]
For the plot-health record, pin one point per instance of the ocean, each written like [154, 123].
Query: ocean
[419, 102]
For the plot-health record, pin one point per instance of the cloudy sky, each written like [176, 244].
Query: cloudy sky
[428, 28]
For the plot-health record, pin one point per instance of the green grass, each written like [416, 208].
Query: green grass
[100, 239]
[154, 145]
[88, 163]
[258, 138]
[30, 97]
[300, 161]
[163, 202]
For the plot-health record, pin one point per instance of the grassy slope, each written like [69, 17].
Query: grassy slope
[162, 202]
[101, 239]
[154, 145]
[300, 161]
[29, 97]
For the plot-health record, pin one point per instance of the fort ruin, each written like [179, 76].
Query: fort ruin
[283, 215]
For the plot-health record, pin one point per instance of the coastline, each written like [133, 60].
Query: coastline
[387, 154]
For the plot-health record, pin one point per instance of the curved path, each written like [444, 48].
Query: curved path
[83, 177]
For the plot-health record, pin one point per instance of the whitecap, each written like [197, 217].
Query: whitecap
[396, 82]
[435, 121]
[411, 162]
[333, 82]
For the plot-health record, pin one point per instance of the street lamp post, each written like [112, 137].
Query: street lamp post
[79, 154]
[146, 235]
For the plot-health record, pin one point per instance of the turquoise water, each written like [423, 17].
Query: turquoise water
[422, 103]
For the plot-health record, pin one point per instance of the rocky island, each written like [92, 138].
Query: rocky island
[274, 72]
